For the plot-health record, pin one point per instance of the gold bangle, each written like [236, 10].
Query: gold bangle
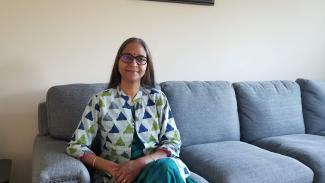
[94, 161]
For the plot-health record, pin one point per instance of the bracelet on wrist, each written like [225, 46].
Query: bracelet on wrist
[94, 160]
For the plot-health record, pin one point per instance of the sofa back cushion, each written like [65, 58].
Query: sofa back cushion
[65, 105]
[269, 108]
[204, 111]
[313, 105]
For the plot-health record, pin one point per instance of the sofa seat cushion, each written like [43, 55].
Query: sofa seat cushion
[235, 161]
[313, 104]
[269, 108]
[197, 178]
[204, 111]
[308, 149]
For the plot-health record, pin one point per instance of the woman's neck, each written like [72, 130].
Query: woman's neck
[130, 89]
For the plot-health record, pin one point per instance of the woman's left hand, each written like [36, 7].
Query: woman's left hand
[127, 172]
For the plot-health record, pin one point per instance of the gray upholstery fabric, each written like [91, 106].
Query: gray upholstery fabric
[65, 105]
[51, 164]
[313, 104]
[42, 119]
[197, 178]
[308, 149]
[269, 108]
[322, 133]
[204, 111]
[235, 161]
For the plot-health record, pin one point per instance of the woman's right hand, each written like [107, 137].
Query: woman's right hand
[128, 171]
[110, 167]
[100, 163]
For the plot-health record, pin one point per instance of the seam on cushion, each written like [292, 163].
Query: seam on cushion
[63, 179]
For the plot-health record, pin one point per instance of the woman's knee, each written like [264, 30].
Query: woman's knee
[166, 163]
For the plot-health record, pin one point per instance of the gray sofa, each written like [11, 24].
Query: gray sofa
[245, 132]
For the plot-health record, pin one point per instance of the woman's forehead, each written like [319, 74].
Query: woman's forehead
[134, 48]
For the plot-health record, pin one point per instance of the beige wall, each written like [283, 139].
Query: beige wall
[49, 42]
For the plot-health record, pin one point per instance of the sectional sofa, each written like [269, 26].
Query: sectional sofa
[244, 132]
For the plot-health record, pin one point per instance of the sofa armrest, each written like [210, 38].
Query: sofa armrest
[51, 164]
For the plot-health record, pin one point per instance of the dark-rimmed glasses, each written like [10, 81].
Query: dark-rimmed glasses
[128, 58]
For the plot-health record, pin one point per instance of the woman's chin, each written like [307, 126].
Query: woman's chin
[133, 80]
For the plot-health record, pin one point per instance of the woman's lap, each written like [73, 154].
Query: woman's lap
[163, 170]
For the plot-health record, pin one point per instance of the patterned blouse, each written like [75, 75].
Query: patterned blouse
[109, 114]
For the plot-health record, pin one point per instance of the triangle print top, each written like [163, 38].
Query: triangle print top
[109, 115]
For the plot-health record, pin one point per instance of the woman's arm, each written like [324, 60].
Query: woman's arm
[100, 163]
[86, 131]
[84, 136]
[169, 137]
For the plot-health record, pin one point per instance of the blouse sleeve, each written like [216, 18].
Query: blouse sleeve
[86, 131]
[169, 138]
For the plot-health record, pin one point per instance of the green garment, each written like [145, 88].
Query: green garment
[137, 146]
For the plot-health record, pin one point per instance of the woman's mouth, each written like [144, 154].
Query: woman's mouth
[131, 71]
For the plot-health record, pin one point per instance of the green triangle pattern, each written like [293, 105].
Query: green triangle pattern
[120, 142]
[101, 103]
[106, 93]
[152, 139]
[176, 136]
[158, 115]
[92, 129]
[159, 102]
[129, 129]
[82, 140]
[154, 126]
[72, 150]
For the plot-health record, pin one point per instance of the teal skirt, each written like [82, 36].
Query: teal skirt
[161, 171]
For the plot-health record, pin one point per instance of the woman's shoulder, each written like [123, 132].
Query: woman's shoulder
[105, 93]
[153, 92]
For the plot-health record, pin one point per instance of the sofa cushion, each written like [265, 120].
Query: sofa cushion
[321, 133]
[313, 104]
[197, 178]
[235, 161]
[269, 108]
[308, 149]
[65, 105]
[204, 111]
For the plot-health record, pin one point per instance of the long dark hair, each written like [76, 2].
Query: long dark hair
[148, 79]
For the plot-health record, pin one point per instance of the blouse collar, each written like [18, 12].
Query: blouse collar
[122, 94]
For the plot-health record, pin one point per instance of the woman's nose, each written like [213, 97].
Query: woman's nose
[134, 62]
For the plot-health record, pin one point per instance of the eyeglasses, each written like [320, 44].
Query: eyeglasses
[128, 58]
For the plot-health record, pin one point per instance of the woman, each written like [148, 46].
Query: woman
[139, 138]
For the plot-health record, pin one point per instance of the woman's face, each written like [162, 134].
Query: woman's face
[132, 63]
